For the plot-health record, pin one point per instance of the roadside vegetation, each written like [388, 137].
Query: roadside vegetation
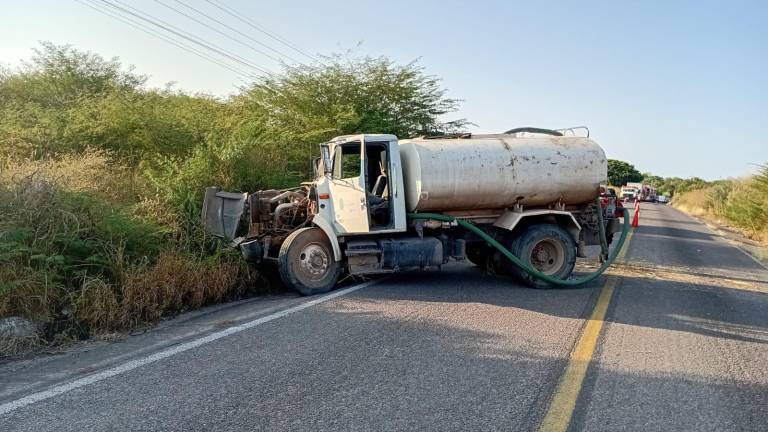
[740, 203]
[671, 186]
[102, 178]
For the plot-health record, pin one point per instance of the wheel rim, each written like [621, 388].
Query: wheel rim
[547, 256]
[314, 261]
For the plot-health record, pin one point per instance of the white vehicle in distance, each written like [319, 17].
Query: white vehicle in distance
[628, 194]
[662, 199]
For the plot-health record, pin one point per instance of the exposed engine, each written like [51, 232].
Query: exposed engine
[271, 216]
[273, 211]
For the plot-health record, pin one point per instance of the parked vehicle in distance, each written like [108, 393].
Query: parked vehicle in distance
[533, 190]
[628, 194]
[638, 191]
[662, 199]
[648, 193]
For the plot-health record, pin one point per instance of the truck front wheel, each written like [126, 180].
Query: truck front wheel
[547, 248]
[306, 262]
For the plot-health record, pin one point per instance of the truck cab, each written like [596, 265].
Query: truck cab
[360, 185]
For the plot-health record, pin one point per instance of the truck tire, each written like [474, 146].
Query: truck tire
[306, 262]
[546, 247]
[478, 255]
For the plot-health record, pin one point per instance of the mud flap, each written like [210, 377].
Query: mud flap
[222, 212]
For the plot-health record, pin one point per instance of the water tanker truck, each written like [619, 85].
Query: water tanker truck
[524, 203]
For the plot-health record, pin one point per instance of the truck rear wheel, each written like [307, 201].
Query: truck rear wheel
[546, 247]
[306, 262]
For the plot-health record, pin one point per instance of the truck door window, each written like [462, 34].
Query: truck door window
[377, 184]
[347, 161]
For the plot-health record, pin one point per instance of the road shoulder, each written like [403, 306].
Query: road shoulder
[84, 358]
[734, 237]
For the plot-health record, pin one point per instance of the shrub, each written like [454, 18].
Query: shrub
[59, 233]
[742, 202]
[717, 197]
[176, 282]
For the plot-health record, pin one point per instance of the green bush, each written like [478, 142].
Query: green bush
[81, 264]
[66, 101]
[747, 203]
[742, 203]
[55, 239]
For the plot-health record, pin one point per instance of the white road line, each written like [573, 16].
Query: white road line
[133, 364]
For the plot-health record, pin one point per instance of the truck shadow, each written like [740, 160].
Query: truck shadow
[459, 362]
[711, 306]
[676, 233]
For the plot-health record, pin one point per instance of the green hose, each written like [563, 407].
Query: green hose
[535, 273]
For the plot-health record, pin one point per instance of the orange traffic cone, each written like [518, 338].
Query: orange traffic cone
[636, 218]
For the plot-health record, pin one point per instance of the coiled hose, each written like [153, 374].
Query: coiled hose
[532, 271]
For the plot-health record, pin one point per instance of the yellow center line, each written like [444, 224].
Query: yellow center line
[560, 411]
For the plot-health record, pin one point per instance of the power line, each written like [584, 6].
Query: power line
[185, 35]
[247, 36]
[181, 45]
[271, 34]
[218, 31]
[197, 40]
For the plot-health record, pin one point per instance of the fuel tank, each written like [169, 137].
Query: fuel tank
[497, 171]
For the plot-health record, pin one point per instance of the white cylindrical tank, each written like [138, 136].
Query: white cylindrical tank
[496, 171]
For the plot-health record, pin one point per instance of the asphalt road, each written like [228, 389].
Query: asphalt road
[683, 346]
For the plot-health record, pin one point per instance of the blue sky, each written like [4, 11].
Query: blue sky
[676, 88]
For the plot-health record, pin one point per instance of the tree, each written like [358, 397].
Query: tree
[272, 128]
[286, 116]
[354, 95]
[64, 101]
[621, 173]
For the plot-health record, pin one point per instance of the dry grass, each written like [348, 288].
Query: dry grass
[177, 282]
[174, 284]
[10, 347]
[693, 202]
[93, 171]
[82, 256]
[98, 306]
[733, 207]
[27, 293]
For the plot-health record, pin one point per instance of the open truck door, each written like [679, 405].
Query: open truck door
[347, 187]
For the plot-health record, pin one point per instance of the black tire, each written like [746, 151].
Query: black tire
[306, 262]
[488, 259]
[547, 248]
[478, 255]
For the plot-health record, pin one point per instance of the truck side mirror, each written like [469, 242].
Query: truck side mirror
[315, 166]
[326, 156]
